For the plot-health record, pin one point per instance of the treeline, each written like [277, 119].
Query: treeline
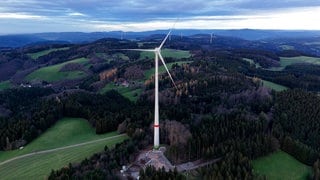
[103, 165]
[151, 173]
[31, 115]
[104, 112]
[266, 59]
[297, 124]
[303, 76]
[33, 112]
[234, 165]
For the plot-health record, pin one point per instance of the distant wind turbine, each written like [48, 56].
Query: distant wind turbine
[211, 37]
[157, 53]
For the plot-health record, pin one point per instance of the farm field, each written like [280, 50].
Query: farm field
[281, 166]
[45, 52]
[4, 85]
[286, 61]
[67, 131]
[178, 54]
[52, 73]
[274, 86]
[131, 94]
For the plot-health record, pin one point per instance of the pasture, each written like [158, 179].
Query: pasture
[274, 86]
[5, 85]
[67, 131]
[286, 61]
[53, 73]
[172, 53]
[281, 166]
[45, 52]
[257, 65]
[130, 93]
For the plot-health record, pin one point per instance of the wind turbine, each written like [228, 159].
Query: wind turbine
[157, 53]
[211, 37]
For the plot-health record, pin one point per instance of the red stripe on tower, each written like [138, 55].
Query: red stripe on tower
[156, 125]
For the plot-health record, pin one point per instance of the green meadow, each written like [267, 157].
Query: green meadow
[67, 131]
[274, 86]
[128, 92]
[286, 61]
[257, 65]
[45, 52]
[53, 74]
[5, 85]
[281, 166]
[178, 54]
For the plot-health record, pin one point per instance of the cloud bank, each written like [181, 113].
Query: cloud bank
[28, 16]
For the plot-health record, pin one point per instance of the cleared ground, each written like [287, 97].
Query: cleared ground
[274, 86]
[178, 54]
[5, 85]
[66, 132]
[45, 52]
[286, 61]
[53, 74]
[281, 166]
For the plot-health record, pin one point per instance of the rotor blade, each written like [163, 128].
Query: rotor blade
[144, 50]
[165, 66]
[165, 39]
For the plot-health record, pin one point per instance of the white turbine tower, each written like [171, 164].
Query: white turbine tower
[211, 37]
[157, 53]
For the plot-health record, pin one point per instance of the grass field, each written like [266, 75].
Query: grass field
[178, 54]
[286, 61]
[274, 86]
[131, 94]
[45, 52]
[5, 85]
[150, 72]
[281, 166]
[52, 73]
[67, 131]
[252, 62]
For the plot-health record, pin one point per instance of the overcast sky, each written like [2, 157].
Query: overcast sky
[27, 16]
